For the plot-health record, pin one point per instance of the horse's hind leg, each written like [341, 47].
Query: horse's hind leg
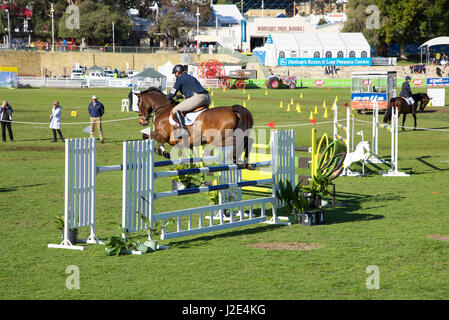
[248, 143]
[403, 120]
[414, 117]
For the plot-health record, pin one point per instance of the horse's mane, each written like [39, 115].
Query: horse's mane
[420, 95]
[153, 89]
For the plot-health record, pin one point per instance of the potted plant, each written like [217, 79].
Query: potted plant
[118, 244]
[187, 180]
[150, 245]
[293, 199]
[73, 232]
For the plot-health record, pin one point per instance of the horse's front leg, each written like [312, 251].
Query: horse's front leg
[414, 117]
[403, 121]
[160, 150]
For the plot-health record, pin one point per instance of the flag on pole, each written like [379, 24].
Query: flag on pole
[280, 105]
[271, 125]
[316, 110]
[298, 108]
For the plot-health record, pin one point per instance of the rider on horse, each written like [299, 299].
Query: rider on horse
[406, 93]
[194, 93]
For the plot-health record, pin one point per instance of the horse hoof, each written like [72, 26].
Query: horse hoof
[166, 155]
[250, 166]
[241, 166]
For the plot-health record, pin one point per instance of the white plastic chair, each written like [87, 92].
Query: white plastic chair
[125, 105]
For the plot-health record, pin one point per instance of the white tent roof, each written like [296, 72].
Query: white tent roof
[355, 41]
[331, 41]
[308, 41]
[227, 13]
[320, 41]
[436, 42]
[284, 41]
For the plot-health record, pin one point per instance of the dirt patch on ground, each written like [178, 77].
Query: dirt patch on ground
[286, 246]
[437, 237]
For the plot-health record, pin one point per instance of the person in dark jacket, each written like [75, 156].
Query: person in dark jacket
[194, 93]
[6, 118]
[96, 111]
[406, 93]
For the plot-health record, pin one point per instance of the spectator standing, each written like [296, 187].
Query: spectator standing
[55, 121]
[96, 111]
[6, 118]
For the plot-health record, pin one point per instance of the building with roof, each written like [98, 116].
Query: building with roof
[315, 49]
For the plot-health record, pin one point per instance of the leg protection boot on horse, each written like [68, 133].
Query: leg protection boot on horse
[182, 125]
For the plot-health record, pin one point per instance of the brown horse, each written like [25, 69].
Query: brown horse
[404, 108]
[220, 126]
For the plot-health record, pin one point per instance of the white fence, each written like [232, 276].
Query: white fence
[74, 83]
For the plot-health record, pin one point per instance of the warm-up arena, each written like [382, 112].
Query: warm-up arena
[139, 194]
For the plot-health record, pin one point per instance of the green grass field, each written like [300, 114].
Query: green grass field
[386, 223]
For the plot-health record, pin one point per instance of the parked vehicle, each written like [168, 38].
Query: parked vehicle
[76, 73]
[275, 82]
[108, 73]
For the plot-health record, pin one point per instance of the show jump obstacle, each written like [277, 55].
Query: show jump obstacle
[139, 194]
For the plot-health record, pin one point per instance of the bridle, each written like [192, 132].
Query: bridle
[153, 112]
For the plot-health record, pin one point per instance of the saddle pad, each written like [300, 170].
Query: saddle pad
[189, 119]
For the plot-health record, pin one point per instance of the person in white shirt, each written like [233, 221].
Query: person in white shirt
[55, 121]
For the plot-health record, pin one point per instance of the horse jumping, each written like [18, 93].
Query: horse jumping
[404, 107]
[214, 126]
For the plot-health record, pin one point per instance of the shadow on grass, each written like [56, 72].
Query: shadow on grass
[204, 240]
[351, 202]
[9, 189]
[421, 159]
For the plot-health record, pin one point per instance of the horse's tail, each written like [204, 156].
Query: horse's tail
[387, 116]
[245, 119]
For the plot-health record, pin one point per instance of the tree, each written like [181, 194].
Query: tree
[403, 21]
[175, 17]
[322, 21]
[357, 22]
[96, 24]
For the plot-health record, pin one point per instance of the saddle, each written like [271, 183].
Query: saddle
[189, 117]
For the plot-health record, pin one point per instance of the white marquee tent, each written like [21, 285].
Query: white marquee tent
[439, 41]
[315, 45]
[167, 70]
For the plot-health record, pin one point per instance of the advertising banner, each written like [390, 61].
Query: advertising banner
[438, 82]
[324, 62]
[366, 100]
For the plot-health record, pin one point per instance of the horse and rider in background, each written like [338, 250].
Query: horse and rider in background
[406, 103]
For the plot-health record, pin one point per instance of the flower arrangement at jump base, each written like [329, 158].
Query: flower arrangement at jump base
[125, 244]
[305, 202]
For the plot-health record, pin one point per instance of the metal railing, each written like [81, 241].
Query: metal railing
[384, 61]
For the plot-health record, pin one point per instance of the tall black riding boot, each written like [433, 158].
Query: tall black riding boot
[182, 124]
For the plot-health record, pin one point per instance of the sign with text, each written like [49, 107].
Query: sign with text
[278, 29]
[324, 61]
[367, 100]
[438, 82]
